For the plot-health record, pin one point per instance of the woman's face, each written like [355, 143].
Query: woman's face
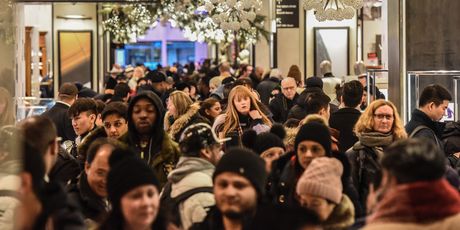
[383, 119]
[271, 155]
[319, 205]
[242, 104]
[215, 110]
[171, 108]
[140, 206]
[309, 150]
[212, 88]
[192, 91]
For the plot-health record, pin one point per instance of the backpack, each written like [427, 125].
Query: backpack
[171, 205]
[422, 127]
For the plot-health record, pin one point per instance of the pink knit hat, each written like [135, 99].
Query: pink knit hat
[322, 179]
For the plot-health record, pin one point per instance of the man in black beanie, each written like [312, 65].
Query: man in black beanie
[239, 184]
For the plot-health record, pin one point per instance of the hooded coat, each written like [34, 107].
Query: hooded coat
[192, 116]
[190, 173]
[162, 153]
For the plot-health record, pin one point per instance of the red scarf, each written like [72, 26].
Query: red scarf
[418, 202]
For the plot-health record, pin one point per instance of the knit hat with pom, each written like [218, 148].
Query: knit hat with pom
[266, 140]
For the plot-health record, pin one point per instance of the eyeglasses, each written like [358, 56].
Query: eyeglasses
[386, 116]
[116, 124]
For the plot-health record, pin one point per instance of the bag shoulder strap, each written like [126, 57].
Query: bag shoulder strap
[8, 193]
[422, 127]
[184, 196]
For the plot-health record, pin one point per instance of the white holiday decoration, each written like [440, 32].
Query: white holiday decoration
[337, 10]
[237, 17]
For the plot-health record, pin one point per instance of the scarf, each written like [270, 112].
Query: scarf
[423, 201]
[375, 140]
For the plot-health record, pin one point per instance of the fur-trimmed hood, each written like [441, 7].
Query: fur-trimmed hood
[90, 138]
[343, 215]
[178, 126]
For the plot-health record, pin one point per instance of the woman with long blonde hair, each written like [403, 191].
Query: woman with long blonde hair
[377, 127]
[242, 113]
[182, 112]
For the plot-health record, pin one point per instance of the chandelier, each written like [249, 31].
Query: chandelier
[337, 10]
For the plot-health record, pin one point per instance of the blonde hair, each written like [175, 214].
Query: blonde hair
[315, 118]
[215, 81]
[231, 120]
[365, 122]
[138, 72]
[181, 102]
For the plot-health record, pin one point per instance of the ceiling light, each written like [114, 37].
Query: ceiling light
[74, 16]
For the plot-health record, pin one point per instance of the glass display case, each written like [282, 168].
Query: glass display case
[29, 106]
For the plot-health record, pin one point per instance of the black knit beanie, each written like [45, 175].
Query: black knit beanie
[245, 163]
[314, 131]
[126, 173]
[266, 141]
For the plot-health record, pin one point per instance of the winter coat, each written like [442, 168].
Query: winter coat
[434, 132]
[58, 114]
[246, 122]
[91, 205]
[342, 216]
[9, 184]
[347, 184]
[283, 178]
[190, 173]
[365, 163]
[344, 121]
[265, 89]
[58, 207]
[418, 205]
[280, 107]
[82, 149]
[298, 111]
[267, 217]
[161, 153]
[192, 116]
